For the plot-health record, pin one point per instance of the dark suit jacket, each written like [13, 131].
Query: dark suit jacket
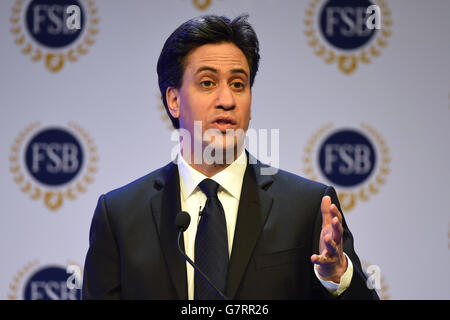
[133, 241]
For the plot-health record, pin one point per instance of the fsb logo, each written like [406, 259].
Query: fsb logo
[50, 23]
[347, 158]
[354, 160]
[56, 163]
[49, 282]
[54, 31]
[347, 32]
[343, 23]
[54, 156]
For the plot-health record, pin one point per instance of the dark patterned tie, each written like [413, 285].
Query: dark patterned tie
[211, 245]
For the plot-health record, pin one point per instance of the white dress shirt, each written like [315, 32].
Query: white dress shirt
[230, 180]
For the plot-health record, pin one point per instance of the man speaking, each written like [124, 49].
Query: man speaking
[249, 234]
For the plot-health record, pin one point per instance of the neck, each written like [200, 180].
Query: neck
[212, 169]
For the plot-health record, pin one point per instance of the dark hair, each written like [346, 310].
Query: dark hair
[195, 33]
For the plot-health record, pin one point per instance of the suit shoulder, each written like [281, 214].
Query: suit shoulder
[143, 186]
[293, 181]
[284, 179]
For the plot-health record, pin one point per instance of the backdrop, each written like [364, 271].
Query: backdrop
[366, 110]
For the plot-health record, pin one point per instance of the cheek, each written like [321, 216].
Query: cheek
[194, 105]
[246, 109]
[187, 109]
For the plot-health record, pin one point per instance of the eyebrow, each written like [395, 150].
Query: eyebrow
[233, 71]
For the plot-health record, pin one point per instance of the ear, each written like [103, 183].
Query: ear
[173, 101]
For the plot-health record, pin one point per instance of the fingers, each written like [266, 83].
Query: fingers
[329, 255]
[331, 246]
[318, 259]
[337, 230]
[329, 211]
[330, 260]
[331, 236]
[325, 210]
[335, 212]
[325, 205]
[323, 260]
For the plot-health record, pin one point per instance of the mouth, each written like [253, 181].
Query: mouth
[224, 123]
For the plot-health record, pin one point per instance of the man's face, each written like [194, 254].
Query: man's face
[215, 90]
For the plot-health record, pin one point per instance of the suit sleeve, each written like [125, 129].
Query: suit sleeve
[358, 288]
[101, 278]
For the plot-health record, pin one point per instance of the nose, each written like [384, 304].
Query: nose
[225, 98]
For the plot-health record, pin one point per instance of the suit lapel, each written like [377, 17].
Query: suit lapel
[254, 207]
[165, 206]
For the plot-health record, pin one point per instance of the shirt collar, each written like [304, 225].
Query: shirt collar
[229, 178]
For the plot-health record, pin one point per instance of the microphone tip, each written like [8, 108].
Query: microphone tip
[182, 220]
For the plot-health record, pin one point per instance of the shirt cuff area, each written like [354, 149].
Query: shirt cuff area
[338, 288]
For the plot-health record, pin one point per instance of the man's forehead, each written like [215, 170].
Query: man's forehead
[219, 57]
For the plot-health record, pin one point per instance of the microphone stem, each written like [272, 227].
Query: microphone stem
[224, 297]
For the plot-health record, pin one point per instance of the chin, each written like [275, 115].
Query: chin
[222, 147]
[220, 152]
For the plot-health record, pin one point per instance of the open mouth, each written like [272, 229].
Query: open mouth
[224, 123]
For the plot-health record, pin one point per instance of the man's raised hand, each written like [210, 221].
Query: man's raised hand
[331, 261]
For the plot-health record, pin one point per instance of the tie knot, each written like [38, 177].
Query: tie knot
[209, 188]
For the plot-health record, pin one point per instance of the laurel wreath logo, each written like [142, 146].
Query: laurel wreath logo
[348, 199]
[15, 285]
[53, 200]
[202, 4]
[347, 62]
[54, 61]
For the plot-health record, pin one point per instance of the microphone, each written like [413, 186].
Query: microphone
[182, 221]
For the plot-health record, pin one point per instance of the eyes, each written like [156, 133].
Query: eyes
[206, 84]
[238, 85]
[235, 84]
